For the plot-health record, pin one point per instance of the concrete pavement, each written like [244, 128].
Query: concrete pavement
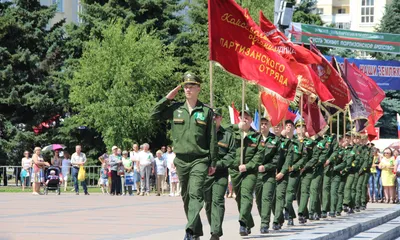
[24, 216]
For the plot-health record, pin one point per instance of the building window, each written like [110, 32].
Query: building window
[320, 11]
[60, 5]
[367, 11]
[342, 25]
[341, 11]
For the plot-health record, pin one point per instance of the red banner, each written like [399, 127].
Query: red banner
[333, 81]
[239, 45]
[284, 47]
[367, 90]
[315, 121]
[276, 109]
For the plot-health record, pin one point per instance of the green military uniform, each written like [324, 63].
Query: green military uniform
[298, 152]
[370, 159]
[244, 182]
[315, 188]
[305, 182]
[327, 174]
[266, 183]
[356, 168]
[283, 164]
[195, 146]
[362, 173]
[350, 159]
[215, 185]
[338, 180]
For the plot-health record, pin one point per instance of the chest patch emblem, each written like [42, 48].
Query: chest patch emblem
[199, 116]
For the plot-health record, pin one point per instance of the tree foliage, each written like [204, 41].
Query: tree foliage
[117, 82]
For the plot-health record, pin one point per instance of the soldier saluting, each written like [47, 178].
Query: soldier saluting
[195, 146]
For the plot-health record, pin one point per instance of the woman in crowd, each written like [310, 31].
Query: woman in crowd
[56, 160]
[397, 172]
[128, 166]
[115, 160]
[161, 167]
[26, 164]
[66, 167]
[387, 166]
[38, 164]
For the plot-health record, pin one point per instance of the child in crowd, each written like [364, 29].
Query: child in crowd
[174, 181]
[52, 176]
[104, 178]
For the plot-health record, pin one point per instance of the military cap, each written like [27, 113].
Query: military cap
[247, 112]
[218, 112]
[300, 122]
[191, 78]
[340, 136]
[348, 134]
[364, 136]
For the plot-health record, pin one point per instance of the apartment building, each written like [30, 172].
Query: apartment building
[67, 9]
[357, 15]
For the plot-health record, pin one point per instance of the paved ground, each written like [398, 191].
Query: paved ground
[103, 217]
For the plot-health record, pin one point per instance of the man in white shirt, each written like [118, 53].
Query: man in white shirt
[134, 156]
[146, 161]
[78, 159]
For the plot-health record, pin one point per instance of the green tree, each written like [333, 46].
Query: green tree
[31, 54]
[391, 104]
[117, 82]
[305, 12]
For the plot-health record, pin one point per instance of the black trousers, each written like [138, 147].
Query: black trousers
[115, 183]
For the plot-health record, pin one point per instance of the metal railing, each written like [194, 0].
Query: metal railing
[11, 176]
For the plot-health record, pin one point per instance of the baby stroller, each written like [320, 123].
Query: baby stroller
[53, 184]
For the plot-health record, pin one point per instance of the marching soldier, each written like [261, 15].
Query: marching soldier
[358, 149]
[266, 183]
[215, 185]
[195, 146]
[337, 179]
[315, 203]
[327, 174]
[283, 163]
[362, 173]
[298, 152]
[306, 176]
[350, 158]
[244, 176]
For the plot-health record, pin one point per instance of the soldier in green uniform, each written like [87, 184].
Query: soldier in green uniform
[370, 159]
[195, 146]
[356, 168]
[215, 185]
[266, 183]
[337, 165]
[350, 158]
[282, 176]
[316, 182]
[244, 175]
[362, 172]
[327, 173]
[298, 152]
[343, 170]
[306, 176]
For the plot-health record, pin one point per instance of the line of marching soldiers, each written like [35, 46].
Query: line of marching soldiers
[326, 175]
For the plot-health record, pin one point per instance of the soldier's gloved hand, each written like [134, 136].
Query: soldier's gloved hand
[171, 95]
[279, 176]
[261, 168]
[242, 168]
[241, 124]
[211, 171]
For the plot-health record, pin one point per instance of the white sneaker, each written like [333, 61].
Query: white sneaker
[35, 193]
[147, 194]
[171, 194]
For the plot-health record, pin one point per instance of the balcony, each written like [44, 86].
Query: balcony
[328, 19]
